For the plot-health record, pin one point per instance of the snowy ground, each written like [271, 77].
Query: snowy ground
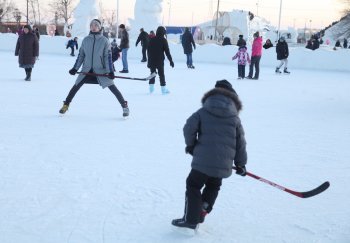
[91, 176]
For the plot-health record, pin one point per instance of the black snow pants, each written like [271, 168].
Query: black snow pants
[195, 197]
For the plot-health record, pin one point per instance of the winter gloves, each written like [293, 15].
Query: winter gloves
[172, 64]
[189, 150]
[111, 75]
[73, 71]
[241, 170]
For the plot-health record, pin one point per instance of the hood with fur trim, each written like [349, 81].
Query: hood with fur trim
[221, 102]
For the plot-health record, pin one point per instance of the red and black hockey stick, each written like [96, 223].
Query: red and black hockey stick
[307, 194]
[120, 77]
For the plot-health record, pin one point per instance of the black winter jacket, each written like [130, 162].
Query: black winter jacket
[188, 42]
[143, 37]
[217, 135]
[156, 48]
[282, 50]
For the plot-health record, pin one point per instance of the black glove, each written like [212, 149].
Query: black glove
[189, 150]
[241, 170]
[73, 71]
[172, 64]
[111, 75]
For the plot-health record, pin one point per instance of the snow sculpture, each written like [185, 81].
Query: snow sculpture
[147, 15]
[85, 11]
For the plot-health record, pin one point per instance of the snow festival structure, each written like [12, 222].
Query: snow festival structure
[147, 15]
[85, 11]
[235, 23]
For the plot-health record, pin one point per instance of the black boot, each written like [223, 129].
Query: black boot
[26, 69]
[183, 224]
[29, 74]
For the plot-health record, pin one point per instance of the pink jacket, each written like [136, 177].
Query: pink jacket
[243, 56]
[257, 46]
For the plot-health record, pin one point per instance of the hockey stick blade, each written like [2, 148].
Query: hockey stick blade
[307, 194]
[315, 191]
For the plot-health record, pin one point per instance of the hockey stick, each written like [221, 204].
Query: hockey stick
[307, 194]
[121, 77]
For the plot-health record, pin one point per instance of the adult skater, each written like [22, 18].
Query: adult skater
[124, 46]
[95, 56]
[143, 38]
[282, 55]
[27, 50]
[156, 48]
[256, 56]
[187, 43]
[214, 136]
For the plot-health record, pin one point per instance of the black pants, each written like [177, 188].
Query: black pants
[93, 80]
[144, 50]
[72, 50]
[160, 69]
[195, 198]
[241, 71]
[254, 63]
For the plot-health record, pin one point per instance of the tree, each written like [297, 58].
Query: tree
[6, 7]
[345, 7]
[63, 8]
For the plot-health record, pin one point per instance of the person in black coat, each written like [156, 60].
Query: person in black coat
[268, 44]
[345, 44]
[214, 136]
[282, 54]
[315, 44]
[143, 38]
[241, 41]
[187, 43]
[27, 50]
[156, 48]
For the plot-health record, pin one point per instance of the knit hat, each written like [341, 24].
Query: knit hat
[96, 22]
[27, 26]
[122, 26]
[224, 84]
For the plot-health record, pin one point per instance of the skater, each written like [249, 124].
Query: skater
[282, 55]
[243, 58]
[214, 136]
[241, 41]
[27, 50]
[71, 44]
[155, 51]
[187, 43]
[95, 56]
[256, 56]
[143, 38]
[124, 46]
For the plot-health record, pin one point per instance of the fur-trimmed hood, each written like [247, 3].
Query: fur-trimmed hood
[222, 102]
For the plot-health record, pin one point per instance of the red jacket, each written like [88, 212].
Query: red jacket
[257, 46]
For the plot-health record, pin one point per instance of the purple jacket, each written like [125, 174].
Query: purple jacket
[242, 55]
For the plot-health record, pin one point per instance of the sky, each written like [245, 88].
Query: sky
[295, 13]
